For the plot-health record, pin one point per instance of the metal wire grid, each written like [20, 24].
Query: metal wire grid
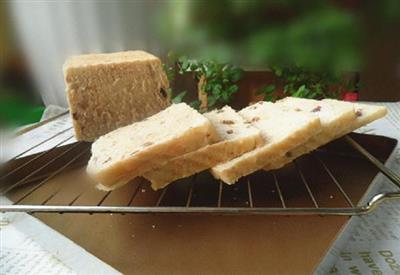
[79, 160]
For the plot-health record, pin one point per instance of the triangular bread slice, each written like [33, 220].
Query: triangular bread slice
[282, 128]
[130, 151]
[335, 116]
[238, 137]
[364, 114]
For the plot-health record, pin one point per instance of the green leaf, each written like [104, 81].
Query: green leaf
[278, 72]
[269, 98]
[312, 95]
[179, 97]
[225, 97]
[195, 104]
[208, 73]
[194, 66]
[208, 87]
[267, 90]
[233, 89]
[182, 59]
[185, 65]
[211, 100]
[217, 89]
[236, 74]
[286, 89]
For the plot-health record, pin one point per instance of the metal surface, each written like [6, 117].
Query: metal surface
[394, 178]
[161, 205]
[371, 205]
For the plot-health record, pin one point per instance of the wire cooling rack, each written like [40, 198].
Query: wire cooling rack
[309, 186]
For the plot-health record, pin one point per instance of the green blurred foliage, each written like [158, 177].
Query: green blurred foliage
[15, 112]
[316, 35]
[385, 12]
[306, 44]
[323, 41]
[311, 43]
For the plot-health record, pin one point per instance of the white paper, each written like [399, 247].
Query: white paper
[58, 132]
[28, 246]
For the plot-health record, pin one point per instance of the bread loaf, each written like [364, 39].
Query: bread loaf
[237, 138]
[130, 151]
[108, 91]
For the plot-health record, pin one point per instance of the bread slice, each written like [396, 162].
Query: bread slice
[237, 138]
[364, 114]
[108, 91]
[282, 128]
[361, 114]
[334, 115]
[130, 151]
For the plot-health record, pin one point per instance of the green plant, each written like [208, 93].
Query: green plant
[300, 82]
[220, 79]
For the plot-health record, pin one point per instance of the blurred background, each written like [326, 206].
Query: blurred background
[243, 50]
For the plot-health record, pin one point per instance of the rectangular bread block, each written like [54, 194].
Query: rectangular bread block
[282, 129]
[334, 115]
[130, 151]
[108, 91]
[238, 137]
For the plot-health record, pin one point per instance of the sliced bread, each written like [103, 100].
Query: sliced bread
[361, 115]
[130, 151]
[108, 91]
[282, 129]
[334, 115]
[364, 114]
[238, 137]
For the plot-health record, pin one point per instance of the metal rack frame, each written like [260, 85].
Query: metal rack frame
[369, 206]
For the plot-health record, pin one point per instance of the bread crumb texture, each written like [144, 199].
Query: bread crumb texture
[108, 91]
[129, 151]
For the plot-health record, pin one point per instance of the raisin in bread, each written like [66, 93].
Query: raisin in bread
[108, 91]
[282, 129]
[130, 151]
[237, 138]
